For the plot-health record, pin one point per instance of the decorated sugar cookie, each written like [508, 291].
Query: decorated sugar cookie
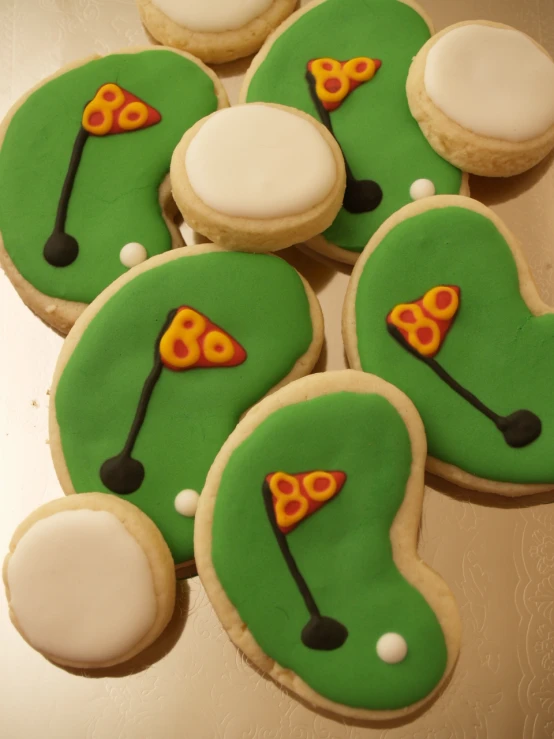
[258, 177]
[89, 581]
[324, 482]
[160, 368]
[443, 305]
[214, 30]
[84, 164]
[345, 62]
[483, 94]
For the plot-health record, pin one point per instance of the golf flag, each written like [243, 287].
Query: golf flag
[424, 323]
[335, 80]
[295, 497]
[115, 110]
[192, 340]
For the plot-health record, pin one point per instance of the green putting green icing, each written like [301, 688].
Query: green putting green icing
[259, 299]
[373, 125]
[343, 551]
[115, 198]
[496, 348]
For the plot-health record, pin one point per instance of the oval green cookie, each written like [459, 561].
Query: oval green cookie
[101, 186]
[324, 482]
[373, 125]
[159, 389]
[478, 370]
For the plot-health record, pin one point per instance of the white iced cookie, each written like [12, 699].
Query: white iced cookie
[214, 30]
[258, 177]
[89, 580]
[483, 95]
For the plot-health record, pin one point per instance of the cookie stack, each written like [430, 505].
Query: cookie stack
[185, 429]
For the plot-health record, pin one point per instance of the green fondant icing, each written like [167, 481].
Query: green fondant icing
[343, 551]
[259, 299]
[374, 125]
[496, 348]
[115, 197]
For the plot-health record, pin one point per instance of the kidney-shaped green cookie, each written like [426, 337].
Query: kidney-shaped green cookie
[150, 386]
[324, 482]
[82, 162]
[442, 305]
[381, 141]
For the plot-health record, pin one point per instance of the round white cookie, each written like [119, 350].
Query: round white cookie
[483, 95]
[89, 580]
[258, 177]
[215, 31]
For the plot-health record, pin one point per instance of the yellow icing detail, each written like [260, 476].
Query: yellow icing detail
[133, 108]
[217, 338]
[351, 71]
[406, 325]
[119, 97]
[425, 349]
[444, 314]
[317, 67]
[100, 129]
[283, 518]
[326, 95]
[320, 495]
[187, 334]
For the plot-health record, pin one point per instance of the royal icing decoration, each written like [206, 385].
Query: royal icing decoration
[295, 497]
[80, 587]
[97, 184]
[425, 323]
[162, 417]
[332, 605]
[186, 503]
[422, 189]
[335, 80]
[493, 81]
[132, 254]
[188, 340]
[113, 110]
[384, 149]
[482, 389]
[257, 161]
[392, 648]
[212, 16]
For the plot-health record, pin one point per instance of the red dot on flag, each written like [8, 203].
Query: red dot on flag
[285, 487]
[133, 116]
[407, 316]
[443, 300]
[180, 348]
[321, 484]
[291, 507]
[327, 66]
[96, 119]
[188, 324]
[425, 335]
[109, 96]
[332, 84]
[361, 67]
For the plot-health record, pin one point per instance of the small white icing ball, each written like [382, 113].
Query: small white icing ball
[392, 648]
[422, 189]
[186, 502]
[133, 254]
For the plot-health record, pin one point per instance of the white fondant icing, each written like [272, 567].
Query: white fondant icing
[256, 161]
[186, 502]
[392, 648]
[492, 81]
[212, 16]
[422, 189]
[132, 254]
[81, 587]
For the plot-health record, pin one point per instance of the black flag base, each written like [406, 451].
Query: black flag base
[520, 428]
[361, 196]
[324, 633]
[122, 474]
[61, 249]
